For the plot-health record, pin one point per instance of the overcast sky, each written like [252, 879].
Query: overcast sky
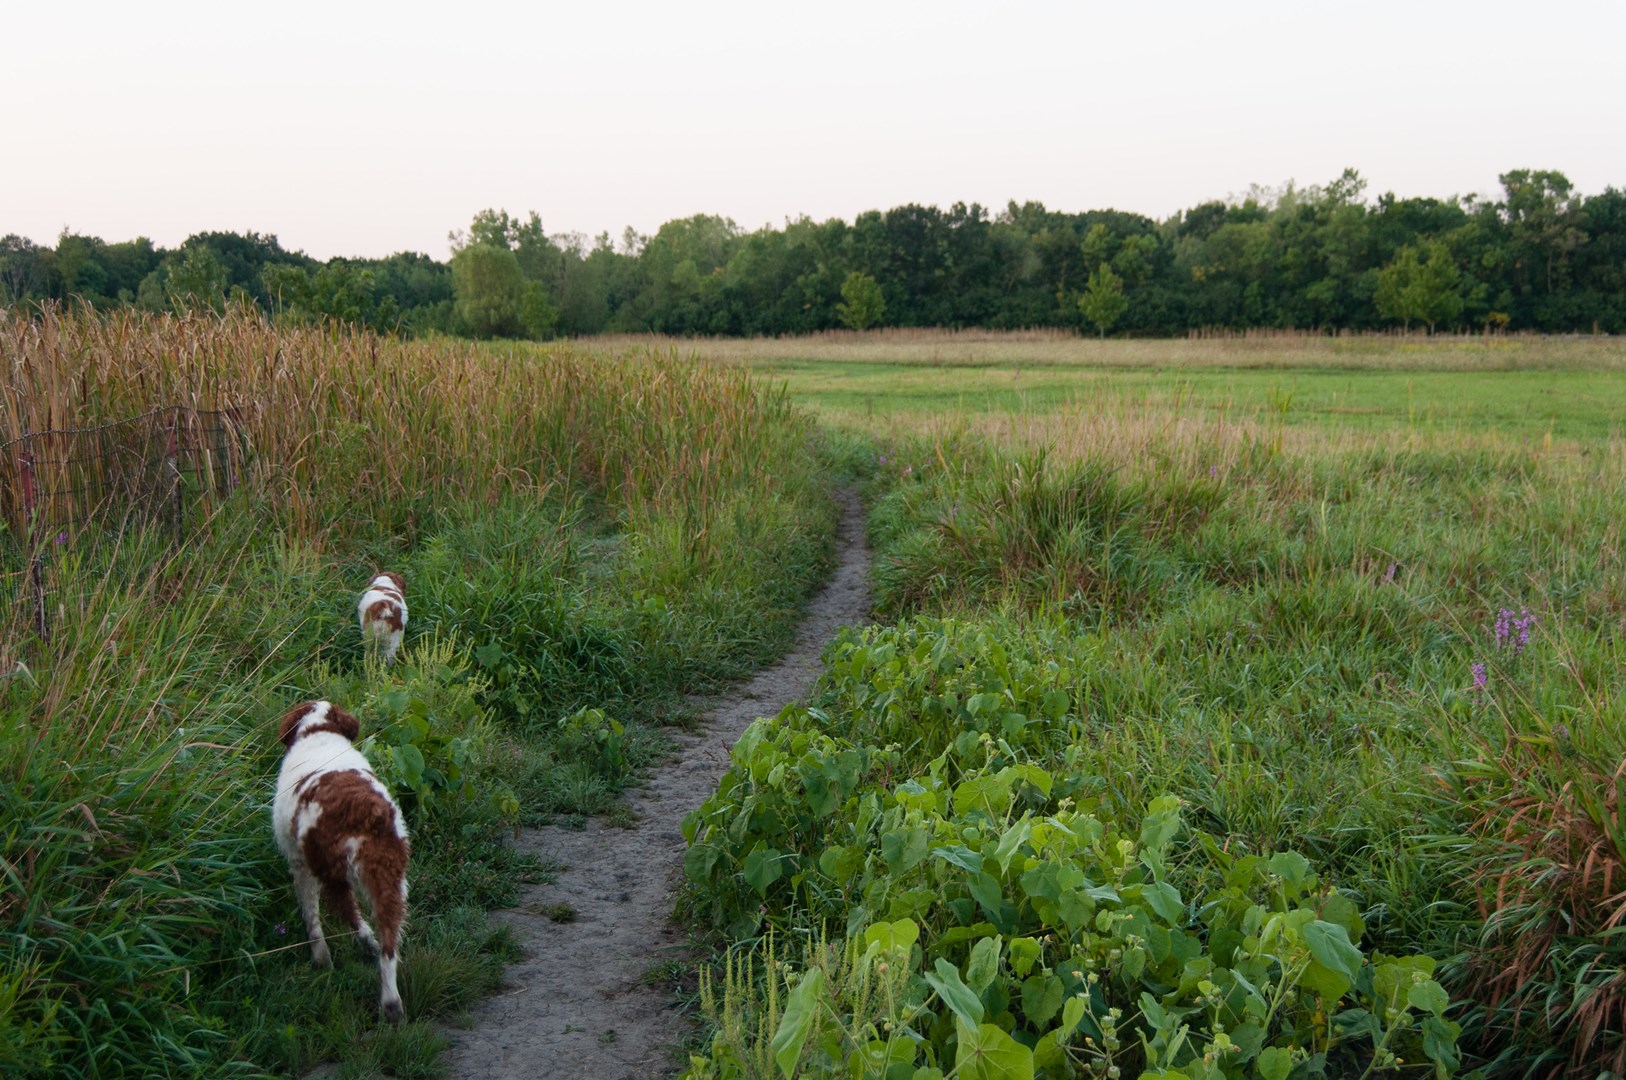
[347, 129]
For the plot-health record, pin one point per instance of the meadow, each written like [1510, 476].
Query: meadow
[1524, 386]
[584, 543]
[1235, 708]
[1196, 741]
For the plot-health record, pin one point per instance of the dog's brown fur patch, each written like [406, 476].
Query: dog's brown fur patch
[337, 720]
[291, 719]
[387, 612]
[353, 809]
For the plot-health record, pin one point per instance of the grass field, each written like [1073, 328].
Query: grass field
[1239, 708]
[1386, 642]
[583, 541]
[1526, 388]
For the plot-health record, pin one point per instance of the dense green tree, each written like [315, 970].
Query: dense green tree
[538, 316]
[489, 290]
[1103, 301]
[1425, 286]
[197, 281]
[862, 305]
[22, 269]
[1536, 254]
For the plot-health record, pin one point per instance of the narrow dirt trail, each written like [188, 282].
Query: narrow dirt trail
[577, 1005]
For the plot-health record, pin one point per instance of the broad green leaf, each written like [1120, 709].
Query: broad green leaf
[903, 849]
[698, 862]
[1440, 1042]
[1330, 984]
[955, 993]
[1024, 954]
[801, 1010]
[409, 759]
[762, 868]
[1429, 996]
[1275, 1063]
[960, 856]
[1330, 945]
[1055, 704]
[988, 1053]
[1161, 823]
[892, 936]
[1041, 998]
[1071, 1014]
[1037, 777]
[1340, 909]
[1164, 899]
[986, 891]
[984, 965]
[1291, 867]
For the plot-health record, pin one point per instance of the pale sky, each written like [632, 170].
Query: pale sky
[350, 129]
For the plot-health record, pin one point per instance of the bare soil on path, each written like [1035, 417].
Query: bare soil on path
[581, 1003]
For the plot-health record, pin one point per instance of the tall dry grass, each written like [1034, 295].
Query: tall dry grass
[575, 530]
[350, 427]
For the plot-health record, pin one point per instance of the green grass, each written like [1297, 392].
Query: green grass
[1571, 404]
[1276, 617]
[587, 542]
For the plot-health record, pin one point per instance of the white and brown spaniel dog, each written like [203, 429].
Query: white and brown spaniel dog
[382, 612]
[340, 831]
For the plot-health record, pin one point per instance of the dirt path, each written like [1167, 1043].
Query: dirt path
[578, 1006]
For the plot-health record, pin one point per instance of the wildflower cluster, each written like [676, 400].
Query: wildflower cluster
[1512, 630]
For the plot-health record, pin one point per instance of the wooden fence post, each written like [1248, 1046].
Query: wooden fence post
[171, 456]
[36, 561]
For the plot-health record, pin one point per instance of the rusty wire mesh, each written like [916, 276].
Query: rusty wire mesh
[167, 467]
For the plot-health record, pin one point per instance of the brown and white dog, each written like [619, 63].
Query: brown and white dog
[382, 612]
[340, 830]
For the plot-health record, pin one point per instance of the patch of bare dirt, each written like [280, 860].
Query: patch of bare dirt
[583, 1002]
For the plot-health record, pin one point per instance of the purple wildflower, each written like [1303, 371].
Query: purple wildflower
[1512, 629]
[1562, 731]
[1479, 675]
[1213, 472]
[282, 929]
[62, 538]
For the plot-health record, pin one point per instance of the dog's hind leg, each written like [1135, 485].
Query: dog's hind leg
[307, 890]
[342, 899]
[387, 892]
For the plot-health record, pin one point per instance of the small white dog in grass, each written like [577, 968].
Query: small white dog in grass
[382, 612]
[341, 832]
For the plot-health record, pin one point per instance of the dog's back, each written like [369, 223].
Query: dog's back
[339, 829]
[382, 613]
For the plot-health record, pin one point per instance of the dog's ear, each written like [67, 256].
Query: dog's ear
[399, 584]
[291, 719]
[342, 722]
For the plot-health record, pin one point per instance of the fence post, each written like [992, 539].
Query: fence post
[171, 456]
[223, 451]
[36, 561]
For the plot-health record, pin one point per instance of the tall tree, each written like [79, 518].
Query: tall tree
[1427, 289]
[489, 290]
[1103, 301]
[862, 305]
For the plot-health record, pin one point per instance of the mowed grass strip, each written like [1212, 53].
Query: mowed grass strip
[1526, 387]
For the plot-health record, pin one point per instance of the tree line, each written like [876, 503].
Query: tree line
[1537, 256]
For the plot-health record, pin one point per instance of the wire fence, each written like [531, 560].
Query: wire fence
[161, 468]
